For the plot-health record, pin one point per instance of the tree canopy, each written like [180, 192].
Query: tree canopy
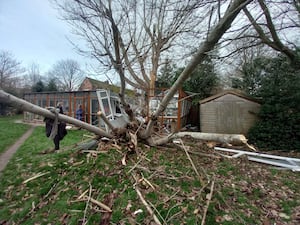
[277, 83]
[202, 81]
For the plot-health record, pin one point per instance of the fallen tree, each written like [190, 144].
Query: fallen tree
[136, 130]
[235, 139]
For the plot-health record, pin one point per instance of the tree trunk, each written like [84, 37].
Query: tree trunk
[233, 139]
[29, 107]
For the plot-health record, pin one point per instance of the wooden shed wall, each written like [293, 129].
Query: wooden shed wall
[228, 114]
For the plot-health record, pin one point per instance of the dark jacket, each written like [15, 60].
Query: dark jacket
[61, 129]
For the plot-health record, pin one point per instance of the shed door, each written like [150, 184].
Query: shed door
[228, 118]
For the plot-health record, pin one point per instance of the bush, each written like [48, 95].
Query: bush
[279, 124]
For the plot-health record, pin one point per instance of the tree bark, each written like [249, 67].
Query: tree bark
[29, 107]
[233, 139]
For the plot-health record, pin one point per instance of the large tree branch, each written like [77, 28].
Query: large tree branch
[212, 39]
[29, 107]
[276, 44]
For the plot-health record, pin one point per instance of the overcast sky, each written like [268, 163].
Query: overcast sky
[32, 31]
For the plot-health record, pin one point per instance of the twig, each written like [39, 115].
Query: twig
[156, 220]
[129, 171]
[174, 215]
[87, 204]
[192, 163]
[83, 194]
[51, 189]
[172, 196]
[100, 204]
[208, 201]
[236, 214]
[133, 139]
[148, 182]
[155, 209]
[34, 177]
[124, 160]
[116, 146]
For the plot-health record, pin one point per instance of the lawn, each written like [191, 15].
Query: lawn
[72, 183]
[10, 131]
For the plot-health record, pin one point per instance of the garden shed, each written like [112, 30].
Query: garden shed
[229, 112]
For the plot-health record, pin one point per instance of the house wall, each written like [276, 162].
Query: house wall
[228, 114]
[86, 85]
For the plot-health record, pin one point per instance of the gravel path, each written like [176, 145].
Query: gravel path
[6, 156]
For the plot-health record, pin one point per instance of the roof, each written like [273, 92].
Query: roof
[226, 92]
[97, 84]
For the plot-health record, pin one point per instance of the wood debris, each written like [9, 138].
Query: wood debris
[35, 177]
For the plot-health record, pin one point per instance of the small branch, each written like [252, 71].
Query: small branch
[207, 202]
[156, 220]
[129, 171]
[83, 194]
[192, 163]
[148, 182]
[100, 204]
[155, 209]
[34, 177]
[87, 204]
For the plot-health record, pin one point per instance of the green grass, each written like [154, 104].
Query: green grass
[244, 192]
[10, 131]
[26, 163]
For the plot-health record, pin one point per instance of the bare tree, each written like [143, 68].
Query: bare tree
[67, 74]
[32, 75]
[9, 70]
[133, 37]
[275, 24]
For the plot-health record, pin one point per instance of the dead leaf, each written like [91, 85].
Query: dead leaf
[227, 217]
[283, 215]
[219, 219]
[184, 209]
[196, 211]
[124, 160]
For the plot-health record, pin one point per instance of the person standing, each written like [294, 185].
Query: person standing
[55, 129]
[79, 113]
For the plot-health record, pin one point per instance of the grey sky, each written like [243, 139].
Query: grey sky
[32, 31]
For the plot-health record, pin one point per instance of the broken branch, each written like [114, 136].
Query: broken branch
[192, 163]
[208, 202]
[34, 177]
[87, 204]
[156, 220]
[100, 204]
